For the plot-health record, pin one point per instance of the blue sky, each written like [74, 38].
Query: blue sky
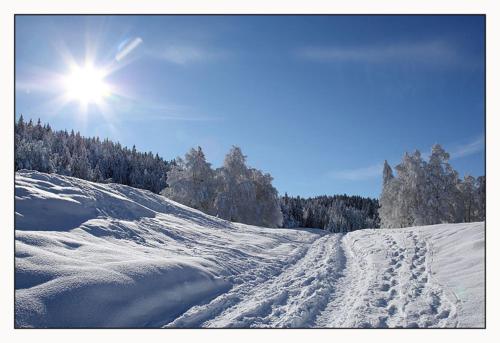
[317, 101]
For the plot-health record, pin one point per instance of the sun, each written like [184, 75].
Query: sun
[86, 84]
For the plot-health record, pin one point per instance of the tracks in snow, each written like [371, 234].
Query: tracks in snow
[369, 278]
[394, 286]
[427, 303]
[291, 299]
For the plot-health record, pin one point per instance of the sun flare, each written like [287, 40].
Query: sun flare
[86, 84]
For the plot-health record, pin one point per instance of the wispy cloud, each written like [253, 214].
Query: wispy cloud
[358, 174]
[168, 117]
[375, 170]
[134, 111]
[187, 54]
[468, 149]
[428, 52]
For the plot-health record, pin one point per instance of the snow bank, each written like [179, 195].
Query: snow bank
[94, 255]
[457, 263]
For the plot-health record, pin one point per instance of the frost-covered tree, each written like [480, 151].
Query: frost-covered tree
[441, 187]
[425, 193]
[472, 206]
[235, 192]
[481, 198]
[33, 155]
[39, 148]
[291, 209]
[410, 202]
[337, 221]
[244, 194]
[267, 207]
[192, 182]
[80, 165]
[468, 201]
[402, 200]
[338, 213]
[388, 198]
[387, 174]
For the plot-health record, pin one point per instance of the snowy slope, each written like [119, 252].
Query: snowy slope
[94, 255]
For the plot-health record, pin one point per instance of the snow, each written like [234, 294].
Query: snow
[108, 255]
[429, 276]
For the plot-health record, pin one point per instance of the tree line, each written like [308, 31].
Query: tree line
[38, 147]
[430, 192]
[338, 213]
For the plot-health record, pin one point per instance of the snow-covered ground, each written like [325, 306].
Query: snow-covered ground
[95, 255]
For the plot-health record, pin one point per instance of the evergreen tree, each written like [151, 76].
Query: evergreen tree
[37, 147]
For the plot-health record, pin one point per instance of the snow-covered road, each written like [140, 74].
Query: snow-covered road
[93, 255]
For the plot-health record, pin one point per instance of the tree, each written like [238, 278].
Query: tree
[338, 213]
[246, 195]
[481, 198]
[425, 193]
[412, 193]
[441, 192]
[468, 201]
[388, 198]
[191, 182]
[387, 173]
[402, 199]
[235, 192]
[266, 199]
[79, 165]
[472, 196]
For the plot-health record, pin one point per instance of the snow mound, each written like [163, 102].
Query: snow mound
[95, 255]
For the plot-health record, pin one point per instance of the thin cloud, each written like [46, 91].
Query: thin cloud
[468, 149]
[427, 52]
[173, 118]
[187, 54]
[150, 111]
[358, 174]
[375, 171]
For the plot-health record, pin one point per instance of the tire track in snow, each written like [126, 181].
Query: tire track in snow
[244, 285]
[365, 295]
[346, 292]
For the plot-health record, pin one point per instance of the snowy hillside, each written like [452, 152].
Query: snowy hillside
[108, 255]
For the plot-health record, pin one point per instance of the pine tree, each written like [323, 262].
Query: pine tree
[39, 148]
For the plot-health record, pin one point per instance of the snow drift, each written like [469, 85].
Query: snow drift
[108, 255]
[94, 255]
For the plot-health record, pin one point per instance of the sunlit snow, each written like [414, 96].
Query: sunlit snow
[108, 255]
